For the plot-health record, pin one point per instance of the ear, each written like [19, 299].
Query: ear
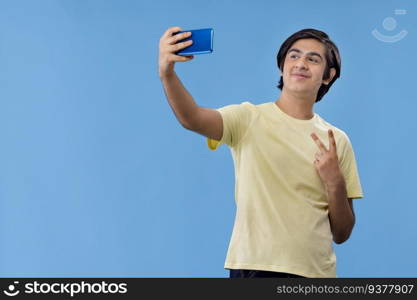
[332, 74]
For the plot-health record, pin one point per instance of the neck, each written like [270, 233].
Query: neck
[299, 106]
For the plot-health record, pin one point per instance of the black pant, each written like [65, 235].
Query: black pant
[261, 274]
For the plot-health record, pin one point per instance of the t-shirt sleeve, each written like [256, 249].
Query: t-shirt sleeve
[350, 170]
[236, 121]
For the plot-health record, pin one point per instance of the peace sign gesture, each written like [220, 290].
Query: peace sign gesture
[326, 162]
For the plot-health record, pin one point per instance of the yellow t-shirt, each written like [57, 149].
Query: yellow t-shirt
[282, 221]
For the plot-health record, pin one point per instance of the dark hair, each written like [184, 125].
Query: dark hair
[332, 56]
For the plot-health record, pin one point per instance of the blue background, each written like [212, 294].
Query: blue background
[97, 177]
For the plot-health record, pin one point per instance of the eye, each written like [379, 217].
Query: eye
[314, 60]
[293, 56]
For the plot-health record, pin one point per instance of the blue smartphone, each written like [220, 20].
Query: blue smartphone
[202, 42]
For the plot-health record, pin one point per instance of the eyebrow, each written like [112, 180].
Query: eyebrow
[308, 53]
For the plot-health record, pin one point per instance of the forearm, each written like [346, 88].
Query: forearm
[181, 102]
[341, 216]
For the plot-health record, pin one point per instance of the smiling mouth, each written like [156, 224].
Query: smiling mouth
[299, 76]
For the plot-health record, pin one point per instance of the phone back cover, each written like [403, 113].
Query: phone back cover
[202, 42]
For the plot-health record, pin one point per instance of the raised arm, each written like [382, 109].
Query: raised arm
[205, 121]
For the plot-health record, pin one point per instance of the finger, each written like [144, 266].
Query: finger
[318, 156]
[181, 58]
[179, 46]
[332, 141]
[178, 37]
[170, 31]
[319, 142]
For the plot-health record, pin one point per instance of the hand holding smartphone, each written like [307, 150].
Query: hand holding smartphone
[202, 42]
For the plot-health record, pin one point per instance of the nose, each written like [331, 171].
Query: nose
[301, 64]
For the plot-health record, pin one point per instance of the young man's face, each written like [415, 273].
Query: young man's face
[304, 67]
